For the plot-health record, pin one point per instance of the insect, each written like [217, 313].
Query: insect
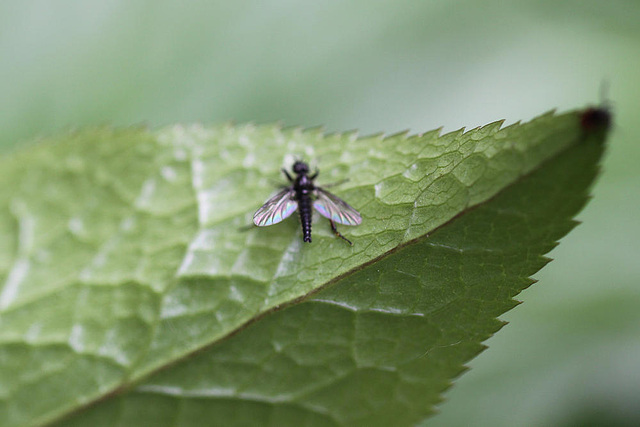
[598, 118]
[302, 194]
[595, 118]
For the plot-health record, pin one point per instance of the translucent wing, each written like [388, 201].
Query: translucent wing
[276, 208]
[336, 209]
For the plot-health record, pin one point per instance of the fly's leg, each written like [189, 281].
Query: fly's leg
[284, 171]
[246, 228]
[337, 233]
[333, 184]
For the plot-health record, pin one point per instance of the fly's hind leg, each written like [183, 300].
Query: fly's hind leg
[337, 233]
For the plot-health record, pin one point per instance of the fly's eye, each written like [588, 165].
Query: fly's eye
[300, 167]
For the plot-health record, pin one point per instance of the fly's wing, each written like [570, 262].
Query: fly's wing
[277, 208]
[336, 209]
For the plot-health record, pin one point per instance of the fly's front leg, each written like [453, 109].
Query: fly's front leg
[337, 233]
[284, 171]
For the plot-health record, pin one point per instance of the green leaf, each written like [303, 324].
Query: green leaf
[131, 285]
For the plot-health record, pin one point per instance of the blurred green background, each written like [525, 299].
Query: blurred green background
[571, 355]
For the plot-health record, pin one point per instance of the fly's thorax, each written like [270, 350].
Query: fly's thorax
[303, 186]
[305, 181]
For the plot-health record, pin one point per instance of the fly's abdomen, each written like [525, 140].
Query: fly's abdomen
[304, 207]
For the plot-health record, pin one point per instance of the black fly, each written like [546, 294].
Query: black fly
[301, 195]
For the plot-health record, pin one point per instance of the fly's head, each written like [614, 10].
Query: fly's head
[300, 168]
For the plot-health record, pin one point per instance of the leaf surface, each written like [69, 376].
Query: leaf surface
[131, 285]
